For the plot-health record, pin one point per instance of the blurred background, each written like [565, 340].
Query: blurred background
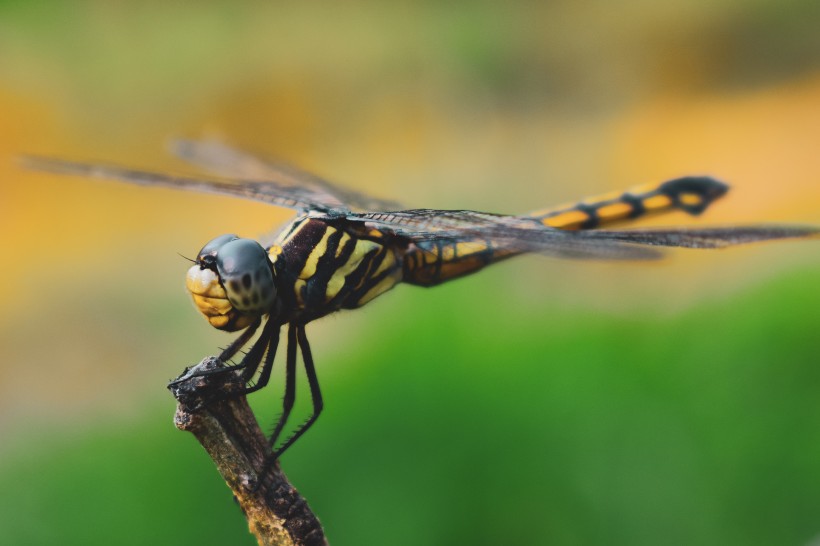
[538, 402]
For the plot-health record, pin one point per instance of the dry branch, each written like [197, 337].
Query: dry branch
[276, 513]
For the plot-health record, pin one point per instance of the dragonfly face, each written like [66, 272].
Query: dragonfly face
[232, 282]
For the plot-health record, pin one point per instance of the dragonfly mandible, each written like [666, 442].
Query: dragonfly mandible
[345, 248]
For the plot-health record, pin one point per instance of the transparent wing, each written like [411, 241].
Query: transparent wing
[525, 234]
[503, 234]
[562, 244]
[266, 191]
[410, 222]
[716, 237]
[219, 158]
[623, 245]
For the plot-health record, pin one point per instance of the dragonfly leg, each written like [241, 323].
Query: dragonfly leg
[240, 342]
[267, 367]
[315, 392]
[228, 353]
[250, 363]
[290, 385]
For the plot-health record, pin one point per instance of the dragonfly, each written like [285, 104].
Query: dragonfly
[344, 248]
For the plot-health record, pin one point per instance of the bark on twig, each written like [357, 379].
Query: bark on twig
[276, 513]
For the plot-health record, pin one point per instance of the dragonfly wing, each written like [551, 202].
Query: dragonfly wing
[414, 221]
[525, 234]
[503, 234]
[568, 246]
[630, 243]
[219, 158]
[265, 191]
[717, 237]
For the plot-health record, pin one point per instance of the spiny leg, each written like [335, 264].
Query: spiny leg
[315, 392]
[250, 362]
[249, 365]
[230, 351]
[267, 367]
[290, 386]
[240, 342]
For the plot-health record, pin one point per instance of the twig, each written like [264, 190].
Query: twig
[276, 513]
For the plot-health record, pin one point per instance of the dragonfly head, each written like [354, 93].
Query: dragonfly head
[231, 282]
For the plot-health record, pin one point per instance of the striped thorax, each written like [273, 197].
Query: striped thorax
[325, 264]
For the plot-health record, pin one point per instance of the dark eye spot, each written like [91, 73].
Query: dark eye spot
[246, 280]
[246, 301]
[235, 286]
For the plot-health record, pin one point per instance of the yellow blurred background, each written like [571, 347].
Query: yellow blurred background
[482, 105]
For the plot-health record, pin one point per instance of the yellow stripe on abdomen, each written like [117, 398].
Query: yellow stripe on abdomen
[689, 194]
[430, 263]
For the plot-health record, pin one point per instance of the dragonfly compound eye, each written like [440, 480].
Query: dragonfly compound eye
[207, 256]
[232, 282]
[245, 271]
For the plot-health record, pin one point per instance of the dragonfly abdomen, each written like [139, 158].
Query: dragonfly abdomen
[692, 194]
[428, 263]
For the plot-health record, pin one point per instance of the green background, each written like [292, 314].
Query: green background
[539, 402]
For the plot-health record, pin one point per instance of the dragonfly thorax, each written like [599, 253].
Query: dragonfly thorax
[232, 282]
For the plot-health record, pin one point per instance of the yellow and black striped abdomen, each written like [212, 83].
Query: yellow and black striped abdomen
[326, 266]
[690, 194]
[427, 263]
